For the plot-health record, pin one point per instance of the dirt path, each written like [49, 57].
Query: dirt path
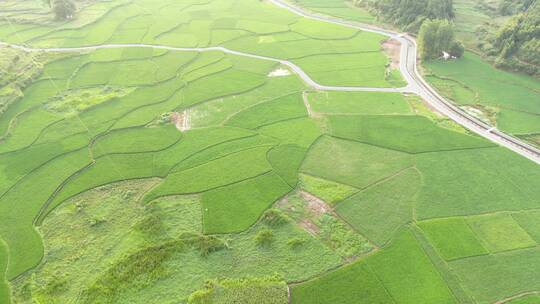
[306, 104]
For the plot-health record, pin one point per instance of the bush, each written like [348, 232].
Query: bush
[265, 237]
[295, 242]
[63, 9]
[207, 244]
[457, 49]
[274, 217]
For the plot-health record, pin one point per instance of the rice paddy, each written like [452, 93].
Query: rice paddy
[135, 174]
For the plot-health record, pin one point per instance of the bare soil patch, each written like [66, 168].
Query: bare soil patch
[392, 48]
[309, 226]
[181, 120]
[315, 205]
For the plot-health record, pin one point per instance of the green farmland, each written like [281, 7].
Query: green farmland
[508, 101]
[166, 152]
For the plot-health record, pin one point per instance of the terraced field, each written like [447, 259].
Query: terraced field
[506, 100]
[137, 174]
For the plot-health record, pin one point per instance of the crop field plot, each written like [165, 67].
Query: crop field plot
[500, 233]
[173, 152]
[453, 238]
[365, 103]
[379, 211]
[481, 276]
[507, 100]
[338, 8]
[472, 185]
[381, 279]
[163, 239]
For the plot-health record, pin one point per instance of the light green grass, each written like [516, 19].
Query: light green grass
[367, 103]
[301, 132]
[4, 285]
[408, 274]
[236, 207]
[400, 273]
[329, 191]
[367, 69]
[23, 202]
[452, 238]
[318, 30]
[136, 140]
[353, 163]
[407, 133]
[530, 221]
[284, 108]
[500, 232]
[286, 161]
[224, 149]
[531, 299]
[466, 182]
[122, 228]
[337, 8]
[216, 173]
[492, 87]
[247, 290]
[355, 283]
[378, 212]
[216, 111]
[490, 278]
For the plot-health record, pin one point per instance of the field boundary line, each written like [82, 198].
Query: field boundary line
[303, 75]
[418, 85]
[521, 295]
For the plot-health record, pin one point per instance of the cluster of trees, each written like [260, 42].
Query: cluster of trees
[62, 9]
[436, 37]
[512, 7]
[517, 44]
[409, 14]
[430, 18]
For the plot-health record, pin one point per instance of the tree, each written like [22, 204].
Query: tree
[457, 49]
[409, 14]
[63, 9]
[517, 44]
[436, 37]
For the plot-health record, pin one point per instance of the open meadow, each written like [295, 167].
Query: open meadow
[134, 171]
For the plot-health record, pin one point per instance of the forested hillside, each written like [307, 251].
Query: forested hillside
[506, 32]
[409, 14]
[511, 7]
[517, 44]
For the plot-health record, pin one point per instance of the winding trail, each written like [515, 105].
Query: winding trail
[407, 65]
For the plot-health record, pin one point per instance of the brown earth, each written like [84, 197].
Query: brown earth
[392, 48]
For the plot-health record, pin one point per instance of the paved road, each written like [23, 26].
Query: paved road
[408, 68]
[418, 85]
[289, 64]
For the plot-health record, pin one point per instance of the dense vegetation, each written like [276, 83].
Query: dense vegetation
[437, 37]
[511, 7]
[409, 14]
[146, 175]
[517, 44]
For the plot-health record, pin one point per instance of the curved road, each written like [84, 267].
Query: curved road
[417, 84]
[289, 64]
[408, 68]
